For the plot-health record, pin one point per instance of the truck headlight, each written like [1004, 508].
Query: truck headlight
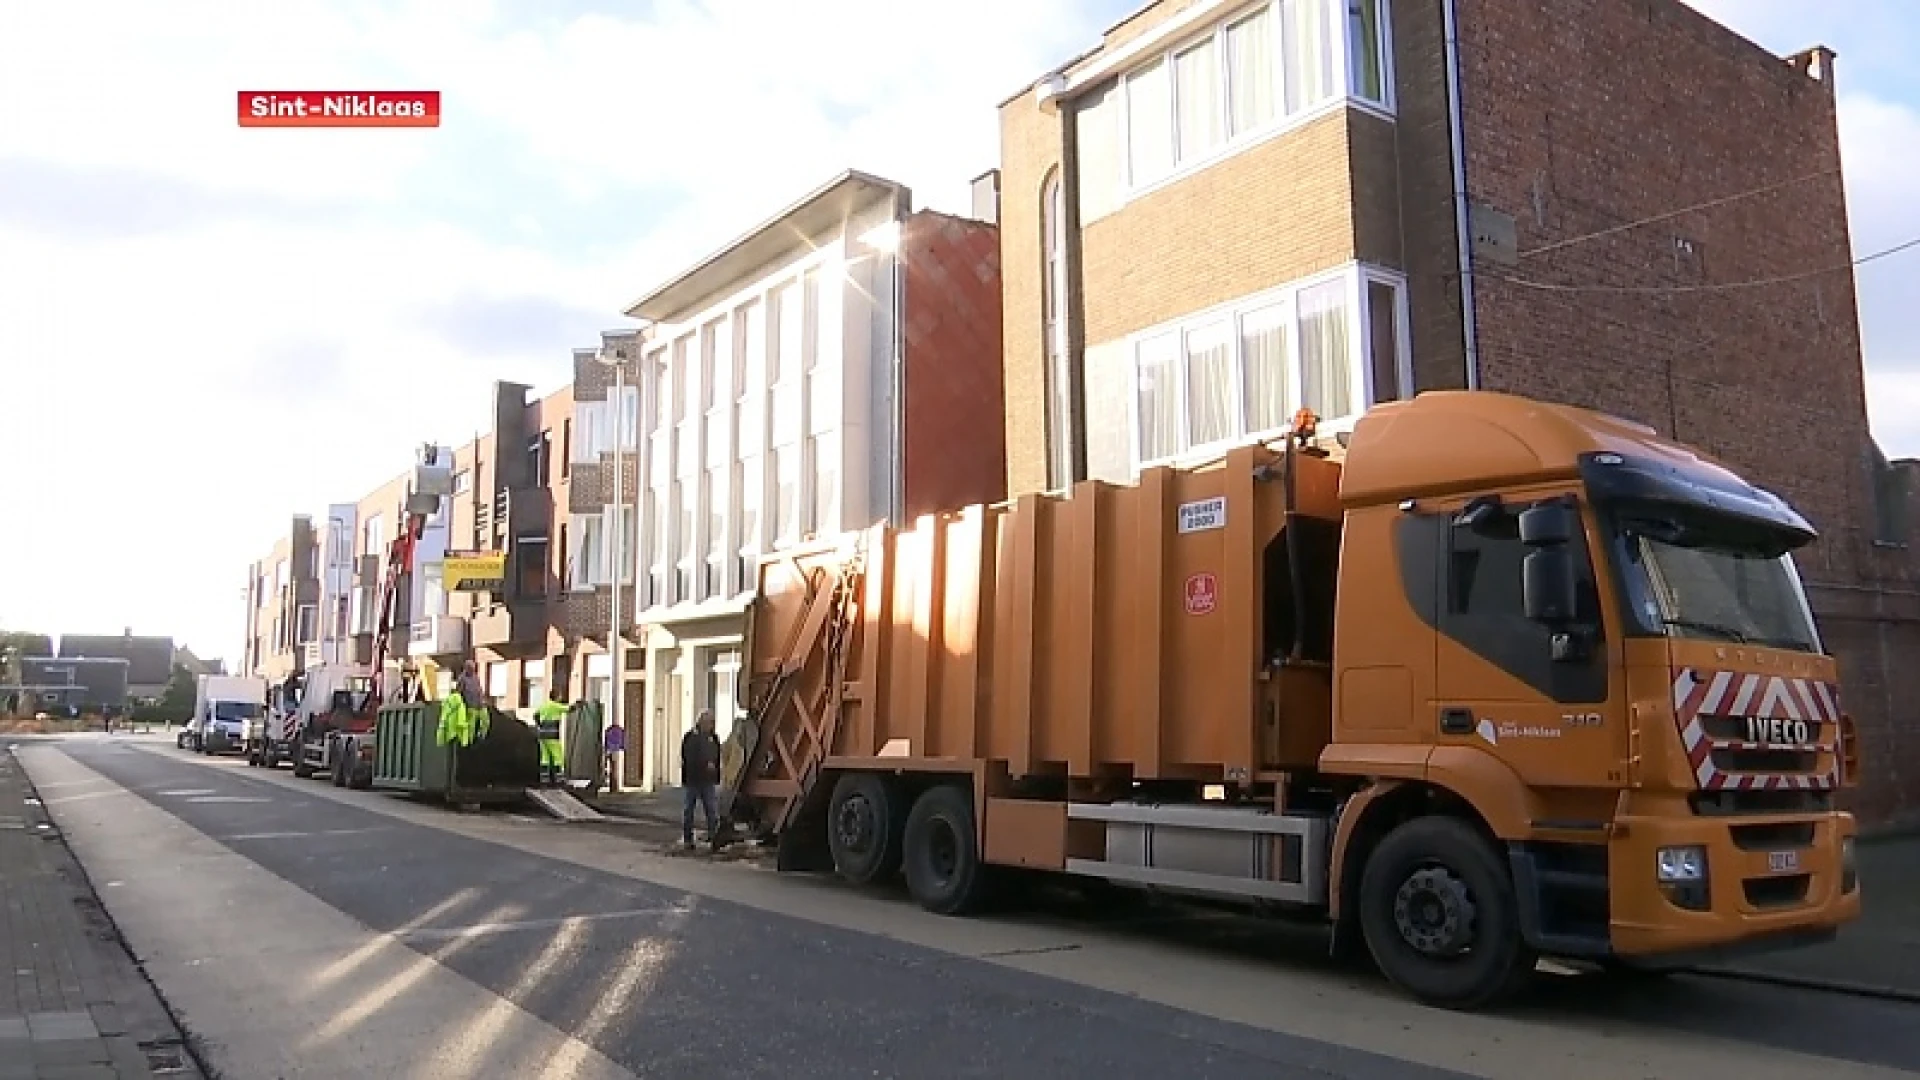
[1681, 865]
[1849, 870]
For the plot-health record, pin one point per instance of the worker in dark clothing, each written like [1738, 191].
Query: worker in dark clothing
[700, 777]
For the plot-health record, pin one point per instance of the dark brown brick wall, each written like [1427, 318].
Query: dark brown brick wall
[954, 450]
[1583, 117]
[1422, 149]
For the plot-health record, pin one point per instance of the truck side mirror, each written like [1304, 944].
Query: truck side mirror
[1548, 525]
[1546, 585]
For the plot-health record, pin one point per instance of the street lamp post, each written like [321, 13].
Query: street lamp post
[617, 694]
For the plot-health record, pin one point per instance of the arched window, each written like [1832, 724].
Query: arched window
[1053, 239]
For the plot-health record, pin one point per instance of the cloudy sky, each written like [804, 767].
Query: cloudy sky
[204, 329]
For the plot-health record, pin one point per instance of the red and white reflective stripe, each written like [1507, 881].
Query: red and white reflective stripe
[1698, 695]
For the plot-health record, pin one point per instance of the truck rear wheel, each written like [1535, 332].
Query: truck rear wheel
[864, 828]
[1438, 912]
[942, 854]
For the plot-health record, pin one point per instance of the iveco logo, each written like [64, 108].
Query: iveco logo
[1776, 729]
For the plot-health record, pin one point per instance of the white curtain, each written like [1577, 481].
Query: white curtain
[1325, 350]
[1307, 52]
[1250, 75]
[1159, 398]
[1269, 368]
[1197, 91]
[1211, 416]
[1149, 123]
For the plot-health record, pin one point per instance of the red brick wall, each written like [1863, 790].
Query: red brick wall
[1587, 115]
[954, 439]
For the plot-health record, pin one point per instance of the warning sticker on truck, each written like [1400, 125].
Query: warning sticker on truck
[1203, 515]
[1203, 593]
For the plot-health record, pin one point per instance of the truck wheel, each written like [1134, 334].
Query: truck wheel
[1438, 911]
[864, 828]
[942, 857]
[301, 770]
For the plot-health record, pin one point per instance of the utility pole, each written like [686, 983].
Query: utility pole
[618, 692]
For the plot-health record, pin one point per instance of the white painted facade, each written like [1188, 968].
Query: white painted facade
[765, 417]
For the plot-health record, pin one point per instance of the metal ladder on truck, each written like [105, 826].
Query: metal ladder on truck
[778, 750]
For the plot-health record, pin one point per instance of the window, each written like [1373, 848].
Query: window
[622, 419]
[342, 618]
[307, 624]
[1383, 339]
[566, 447]
[659, 545]
[821, 454]
[709, 366]
[1242, 371]
[1366, 51]
[1239, 79]
[539, 449]
[1326, 366]
[375, 535]
[1250, 82]
[279, 576]
[533, 683]
[462, 482]
[683, 541]
[530, 566]
[499, 678]
[661, 390]
[750, 499]
[433, 591]
[1199, 125]
[590, 418]
[750, 362]
[588, 554]
[365, 612]
[1149, 123]
[786, 494]
[1307, 54]
[619, 533]
[714, 498]
[790, 349]
[1060, 426]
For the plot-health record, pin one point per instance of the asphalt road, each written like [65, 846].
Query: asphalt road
[665, 976]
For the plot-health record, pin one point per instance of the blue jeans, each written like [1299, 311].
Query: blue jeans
[708, 796]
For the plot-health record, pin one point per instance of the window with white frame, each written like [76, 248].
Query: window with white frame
[658, 545]
[750, 503]
[587, 556]
[786, 494]
[683, 540]
[374, 534]
[714, 542]
[1248, 76]
[365, 609]
[622, 418]
[821, 467]
[1334, 345]
[589, 431]
[307, 624]
[618, 524]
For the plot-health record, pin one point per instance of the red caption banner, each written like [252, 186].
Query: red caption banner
[340, 108]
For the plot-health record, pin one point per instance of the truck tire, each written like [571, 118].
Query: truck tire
[1438, 911]
[301, 770]
[865, 828]
[941, 853]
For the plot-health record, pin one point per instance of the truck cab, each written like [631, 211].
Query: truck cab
[1599, 641]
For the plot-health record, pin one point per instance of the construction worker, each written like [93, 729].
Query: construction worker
[546, 722]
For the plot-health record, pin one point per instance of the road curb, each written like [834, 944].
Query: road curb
[1801, 982]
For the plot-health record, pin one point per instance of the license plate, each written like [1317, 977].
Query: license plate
[1783, 862]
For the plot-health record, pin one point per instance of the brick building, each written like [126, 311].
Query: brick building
[283, 594]
[505, 483]
[837, 366]
[1228, 209]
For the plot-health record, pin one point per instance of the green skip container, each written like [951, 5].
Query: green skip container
[497, 768]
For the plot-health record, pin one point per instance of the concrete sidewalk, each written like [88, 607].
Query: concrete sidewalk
[1879, 954]
[73, 1004]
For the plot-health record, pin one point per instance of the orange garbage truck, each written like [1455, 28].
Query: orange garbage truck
[1482, 681]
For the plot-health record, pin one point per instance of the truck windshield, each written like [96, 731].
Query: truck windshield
[235, 710]
[1687, 582]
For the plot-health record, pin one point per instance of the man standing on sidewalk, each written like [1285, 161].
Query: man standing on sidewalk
[700, 777]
